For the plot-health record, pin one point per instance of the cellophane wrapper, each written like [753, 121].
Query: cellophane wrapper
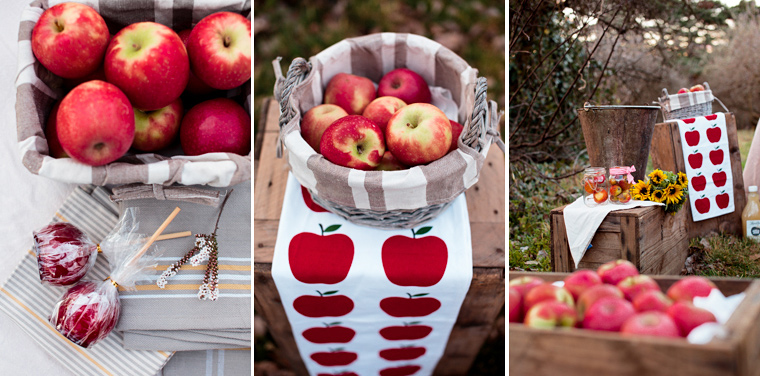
[89, 310]
[64, 253]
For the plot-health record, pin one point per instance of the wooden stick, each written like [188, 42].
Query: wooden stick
[155, 235]
[174, 235]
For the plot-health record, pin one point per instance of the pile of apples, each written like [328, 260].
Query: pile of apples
[614, 298]
[697, 87]
[125, 89]
[393, 127]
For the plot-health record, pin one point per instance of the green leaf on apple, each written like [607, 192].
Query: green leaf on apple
[332, 228]
[423, 230]
[412, 323]
[418, 295]
[328, 293]
[332, 323]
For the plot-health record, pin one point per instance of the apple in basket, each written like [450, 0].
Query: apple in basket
[70, 40]
[687, 316]
[697, 87]
[85, 315]
[220, 50]
[64, 253]
[95, 123]
[155, 130]
[218, 125]
[194, 84]
[317, 120]
[353, 141]
[382, 109]
[350, 92]
[404, 84]
[418, 134]
[689, 287]
[651, 323]
[456, 131]
[132, 64]
[390, 163]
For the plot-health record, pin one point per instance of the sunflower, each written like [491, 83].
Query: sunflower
[673, 194]
[657, 177]
[657, 195]
[683, 181]
[641, 190]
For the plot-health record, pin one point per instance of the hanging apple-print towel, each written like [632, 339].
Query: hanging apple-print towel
[708, 165]
[366, 301]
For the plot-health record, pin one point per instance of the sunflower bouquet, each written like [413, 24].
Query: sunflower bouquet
[666, 187]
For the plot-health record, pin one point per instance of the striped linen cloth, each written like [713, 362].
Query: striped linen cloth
[37, 90]
[677, 101]
[173, 318]
[210, 363]
[29, 303]
[372, 56]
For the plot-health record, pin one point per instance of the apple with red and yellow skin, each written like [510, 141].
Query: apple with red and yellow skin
[334, 358]
[155, 130]
[593, 294]
[613, 272]
[581, 280]
[317, 120]
[400, 371]
[515, 305]
[547, 291]
[634, 285]
[418, 134]
[550, 314]
[697, 87]
[194, 84]
[689, 287]
[95, 123]
[683, 90]
[403, 353]
[353, 141]
[652, 323]
[404, 84]
[415, 306]
[608, 314]
[218, 125]
[331, 333]
[456, 131]
[320, 258]
[381, 109]
[414, 261]
[390, 163]
[325, 305]
[131, 64]
[350, 92]
[70, 40]
[55, 149]
[687, 316]
[653, 300]
[220, 50]
[525, 283]
[407, 332]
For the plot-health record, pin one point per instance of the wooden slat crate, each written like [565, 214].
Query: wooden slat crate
[581, 352]
[484, 300]
[656, 242]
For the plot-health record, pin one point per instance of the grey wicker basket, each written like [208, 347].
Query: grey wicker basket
[702, 108]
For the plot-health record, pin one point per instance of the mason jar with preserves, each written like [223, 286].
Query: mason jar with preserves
[595, 186]
[621, 181]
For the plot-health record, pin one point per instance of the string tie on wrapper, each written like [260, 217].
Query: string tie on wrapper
[624, 171]
[114, 283]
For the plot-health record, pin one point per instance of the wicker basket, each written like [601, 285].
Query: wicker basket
[687, 105]
[480, 130]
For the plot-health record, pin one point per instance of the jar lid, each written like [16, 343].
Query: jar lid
[753, 188]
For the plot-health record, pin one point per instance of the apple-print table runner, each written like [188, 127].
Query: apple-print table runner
[366, 301]
[705, 150]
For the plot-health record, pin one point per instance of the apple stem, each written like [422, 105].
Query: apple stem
[322, 229]
[227, 41]
[410, 295]
[320, 294]
[58, 25]
[414, 236]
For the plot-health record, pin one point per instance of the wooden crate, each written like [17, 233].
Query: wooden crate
[654, 241]
[667, 154]
[580, 352]
[484, 300]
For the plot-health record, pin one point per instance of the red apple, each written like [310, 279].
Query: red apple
[689, 287]
[86, 313]
[689, 120]
[131, 64]
[414, 261]
[716, 156]
[456, 131]
[581, 280]
[354, 142]
[55, 149]
[414, 306]
[403, 353]
[95, 123]
[722, 200]
[310, 202]
[317, 120]
[155, 130]
[687, 316]
[691, 137]
[316, 258]
[699, 182]
[334, 358]
[547, 291]
[390, 163]
[652, 300]
[70, 39]
[713, 133]
[194, 84]
[64, 253]
[719, 178]
[220, 50]
[382, 109]
[418, 134]
[324, 305]
[329, 334]
[600, 196]
[404, 84]
[594, 293]
[525, 284]
[702, 204]
[407, 332]
[683, 90]
[634, 285]
[515, 305]
[695, 160]
[400, 371]
[550, 314]
[711, 117]
[350, 92]
[615, 271]
[697, 87]
[217, 125]
[608, 313]
[651, 323]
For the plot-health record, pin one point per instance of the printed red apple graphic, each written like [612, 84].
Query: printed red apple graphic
[344, 373]
[414, 261]
[689, 120]
[336, 357]
[719, 178]
[317, 258]
[699, 182]
[402, 353]
[711, 117]
[702, 205]
[310, 203]
[722, 200]
[414, 306]
[327, 304]
[716, 156]
[692, 137]
[695, 160]
[400, 371]
[409, 331]
[713, 133]
[331, 333]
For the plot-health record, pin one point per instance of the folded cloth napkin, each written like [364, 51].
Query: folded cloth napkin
[582, 221]
[29, 303]
[234, 362]
[173, 318]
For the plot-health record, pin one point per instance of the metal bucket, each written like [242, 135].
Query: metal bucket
[618, 135]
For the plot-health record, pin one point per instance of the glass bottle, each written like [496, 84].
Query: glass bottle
[619, 186]
[595, 186]
[751, 215]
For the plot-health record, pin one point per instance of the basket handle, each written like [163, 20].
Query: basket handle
[283, 88]
[474, 135]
